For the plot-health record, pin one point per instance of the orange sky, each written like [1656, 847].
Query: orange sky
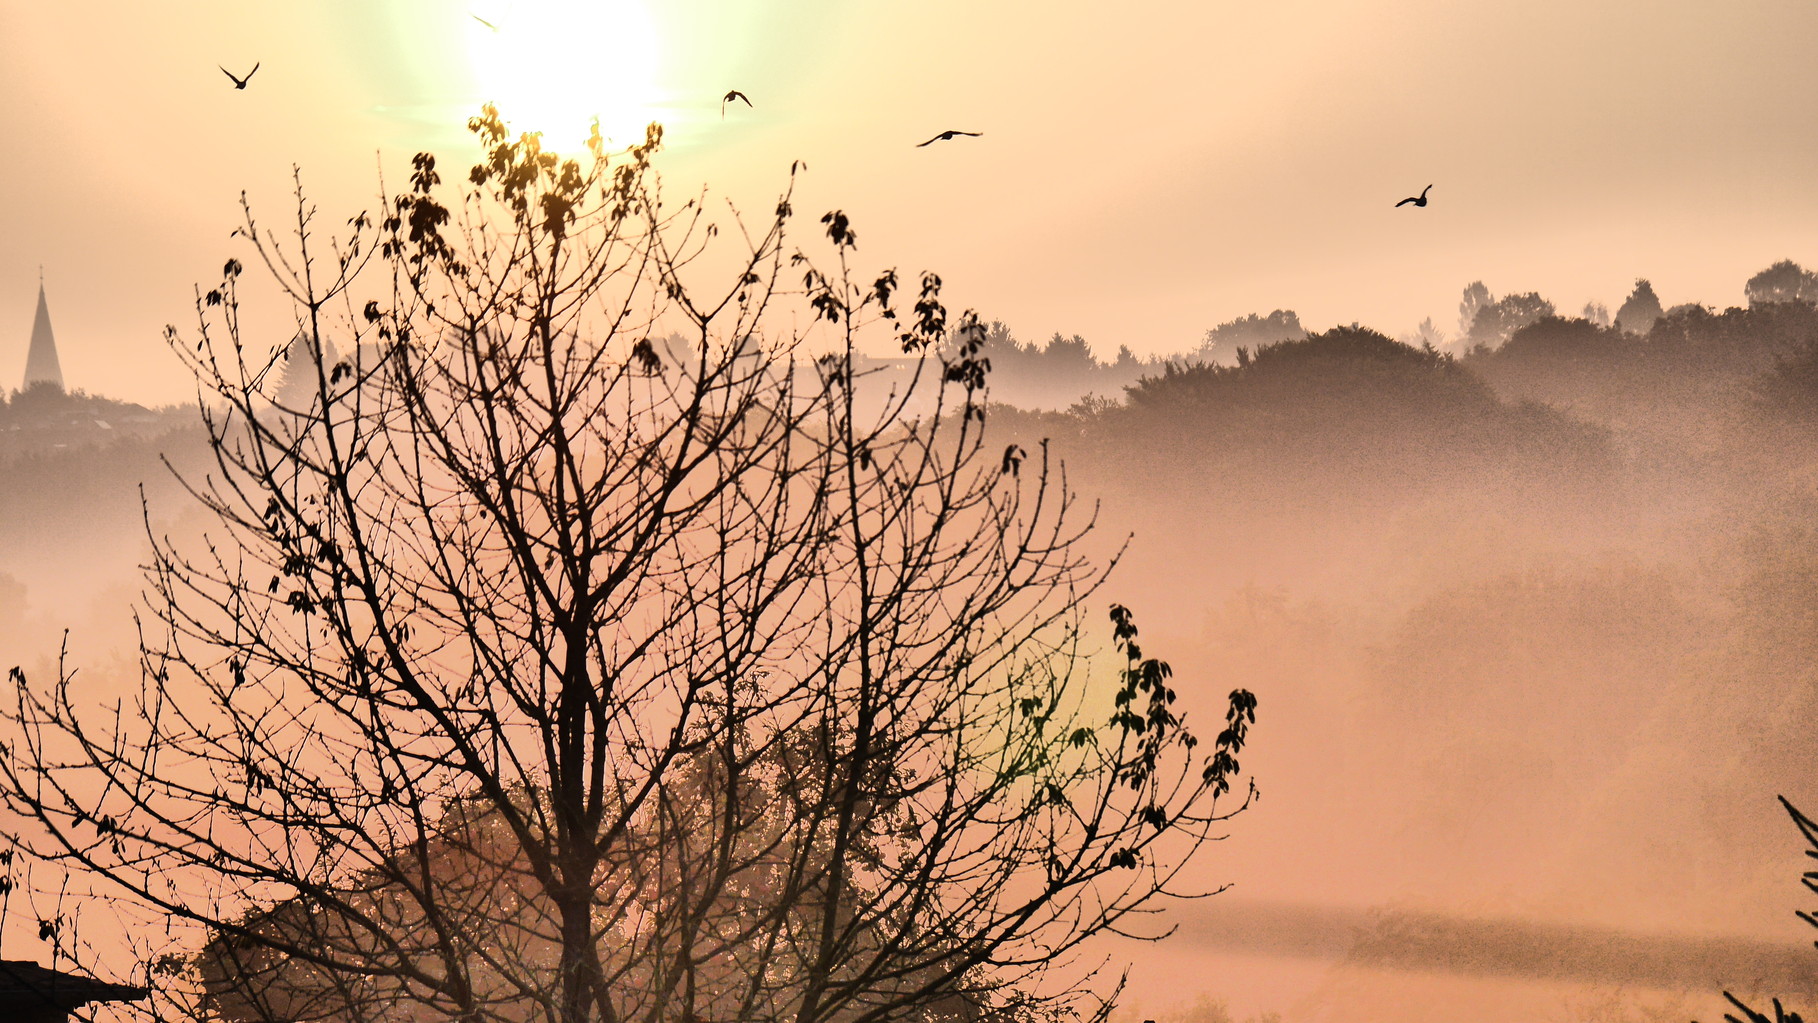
[1147, 170]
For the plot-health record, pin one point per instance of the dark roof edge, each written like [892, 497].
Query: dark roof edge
[22, 978]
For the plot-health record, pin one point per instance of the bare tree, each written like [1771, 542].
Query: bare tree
[587, 643]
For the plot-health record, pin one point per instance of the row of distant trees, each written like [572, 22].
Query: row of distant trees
[1484, 321]
[1487, 321]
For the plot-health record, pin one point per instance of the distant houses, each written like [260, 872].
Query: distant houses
[46, 419]
[45, 416]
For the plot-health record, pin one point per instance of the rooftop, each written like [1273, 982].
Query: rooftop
[24, 983]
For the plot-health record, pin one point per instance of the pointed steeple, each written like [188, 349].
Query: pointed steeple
[41, 365]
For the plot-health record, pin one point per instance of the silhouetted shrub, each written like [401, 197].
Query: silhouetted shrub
[1785, 281]
[1366, 416]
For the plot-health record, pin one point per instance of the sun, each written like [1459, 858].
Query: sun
[553, 66]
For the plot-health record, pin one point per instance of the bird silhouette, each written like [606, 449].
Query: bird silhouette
[240, 83]
[1418, 200]
[945, 136]
[729, 97]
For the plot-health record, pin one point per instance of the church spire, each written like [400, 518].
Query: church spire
[41, 364]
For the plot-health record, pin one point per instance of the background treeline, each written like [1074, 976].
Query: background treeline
[1536, 607]
[1532, 610]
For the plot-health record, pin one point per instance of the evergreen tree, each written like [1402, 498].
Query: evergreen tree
[1638, 314]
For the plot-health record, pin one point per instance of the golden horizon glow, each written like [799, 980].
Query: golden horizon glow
[555, 66]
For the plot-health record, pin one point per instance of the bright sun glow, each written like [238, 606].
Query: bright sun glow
[553, 66]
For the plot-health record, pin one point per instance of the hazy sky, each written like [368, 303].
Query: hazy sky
[1147, 169]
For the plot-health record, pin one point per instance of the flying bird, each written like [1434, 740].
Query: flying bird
[1418, 200]
[729, 97]
[945, 136]
[240, 83]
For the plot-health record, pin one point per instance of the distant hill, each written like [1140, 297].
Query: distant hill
[1348, 417]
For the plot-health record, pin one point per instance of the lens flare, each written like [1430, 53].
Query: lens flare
[553, 66]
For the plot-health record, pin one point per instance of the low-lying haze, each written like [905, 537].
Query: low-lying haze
[1529, 612]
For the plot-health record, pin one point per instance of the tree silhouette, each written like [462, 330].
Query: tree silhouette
[1785, 281]
[1221, 343]
[1495, 322]
[1476, 296]
[1426, 335]
[537, 669]
[1640, 311]
[1056, 375]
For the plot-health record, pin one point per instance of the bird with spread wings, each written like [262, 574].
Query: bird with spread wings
[1418, 200]
[946, 135]
[240, 83]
